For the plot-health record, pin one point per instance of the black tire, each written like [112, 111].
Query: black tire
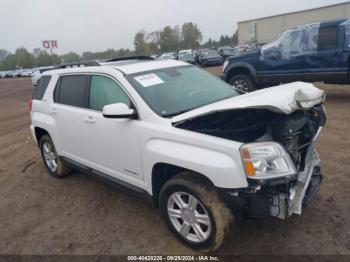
[243, 82]
[210, 203]
[61, 169]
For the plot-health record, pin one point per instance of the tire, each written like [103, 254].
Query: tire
[215, 216]
[243, 82]
[49, 156]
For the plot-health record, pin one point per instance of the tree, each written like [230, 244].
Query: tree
[24, 58]
[235, 38]
[36, 52]
[168, 39]
[191, 35]
[9, 63]
[70, 57]
[140, 43]
[56, 60]
[153, 40]
[44, 59]
[3, 54]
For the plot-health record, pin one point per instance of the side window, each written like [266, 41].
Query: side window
[310, 38]
[71, 90]
[328, 38]
[287, 44]
[105, 91]
[39, 91]
[347, 36]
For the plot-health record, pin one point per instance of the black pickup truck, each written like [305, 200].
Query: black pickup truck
[313, 52]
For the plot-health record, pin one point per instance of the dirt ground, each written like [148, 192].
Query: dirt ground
[80, 215]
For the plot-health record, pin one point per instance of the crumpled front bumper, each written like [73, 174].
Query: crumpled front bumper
[278, 198]
[298, 191]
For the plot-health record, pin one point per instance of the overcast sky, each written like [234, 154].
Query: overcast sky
[96, 25]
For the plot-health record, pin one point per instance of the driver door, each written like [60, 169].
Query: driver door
[282, 60]
[112, 145]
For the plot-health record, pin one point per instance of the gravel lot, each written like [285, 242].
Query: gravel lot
[79, 215]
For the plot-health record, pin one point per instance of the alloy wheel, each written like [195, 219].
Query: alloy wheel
[50, 157]
[241, 84]
[189, 217]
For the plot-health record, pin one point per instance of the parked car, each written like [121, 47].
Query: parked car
[185, 140]
[210, 57]
[167, 56]
[36, 75]
[313, 52]
[8, 74]
[186, 56]
[26, 73]
[16, 73]
[227, 51]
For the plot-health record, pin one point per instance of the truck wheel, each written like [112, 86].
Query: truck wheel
[243, 83]
[194, 212]
[52, 161]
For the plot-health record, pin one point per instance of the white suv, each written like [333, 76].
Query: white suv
[191, 143]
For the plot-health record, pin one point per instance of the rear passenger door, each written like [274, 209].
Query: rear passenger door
[326, 62]
[112, 145]
[70, 99]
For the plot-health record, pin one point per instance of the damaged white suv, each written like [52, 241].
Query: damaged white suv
[198, 149]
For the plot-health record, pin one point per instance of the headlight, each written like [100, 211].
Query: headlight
[266, 160]
[225, 65]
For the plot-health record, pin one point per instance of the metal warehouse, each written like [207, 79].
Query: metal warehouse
[262, 30]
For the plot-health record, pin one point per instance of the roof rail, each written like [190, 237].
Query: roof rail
[141, 57]
[76, 64]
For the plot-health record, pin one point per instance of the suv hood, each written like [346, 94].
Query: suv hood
[280, 99]
[249, 53]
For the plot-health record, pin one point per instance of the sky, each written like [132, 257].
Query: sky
[97, 25]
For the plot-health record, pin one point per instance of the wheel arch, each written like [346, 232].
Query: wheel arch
[39, 133]
[241, 68]
[163, 172]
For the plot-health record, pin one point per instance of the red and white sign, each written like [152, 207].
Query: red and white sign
[49, 44]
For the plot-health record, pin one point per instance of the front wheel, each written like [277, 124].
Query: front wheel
[194, 212]
[242, 82]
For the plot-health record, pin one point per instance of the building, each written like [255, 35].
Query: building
[262, 30]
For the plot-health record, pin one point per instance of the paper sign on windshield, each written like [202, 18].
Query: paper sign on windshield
[149, 80]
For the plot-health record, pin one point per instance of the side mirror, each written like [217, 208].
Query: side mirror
[118, 110]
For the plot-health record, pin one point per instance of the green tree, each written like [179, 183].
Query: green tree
[24, 58]
[168, 39]
[191, 35]
[56, 60]
[3, 54]
[9, 63]
[235, 38]
[36, 52]
[70, 57]
[44, 59]
[140, 43]
[153, 40]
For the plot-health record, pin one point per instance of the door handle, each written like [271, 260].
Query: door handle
[89, 119]
[53, 111]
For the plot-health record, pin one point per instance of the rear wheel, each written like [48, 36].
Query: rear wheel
[194, 212]
[52, 161]
[243, 82]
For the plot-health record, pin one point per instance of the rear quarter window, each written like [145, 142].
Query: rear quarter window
[71, 90]
[40, 89]
[328, 38]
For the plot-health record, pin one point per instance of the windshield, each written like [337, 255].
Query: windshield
[172, 91]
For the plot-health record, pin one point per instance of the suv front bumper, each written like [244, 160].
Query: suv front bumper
[279, 198]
